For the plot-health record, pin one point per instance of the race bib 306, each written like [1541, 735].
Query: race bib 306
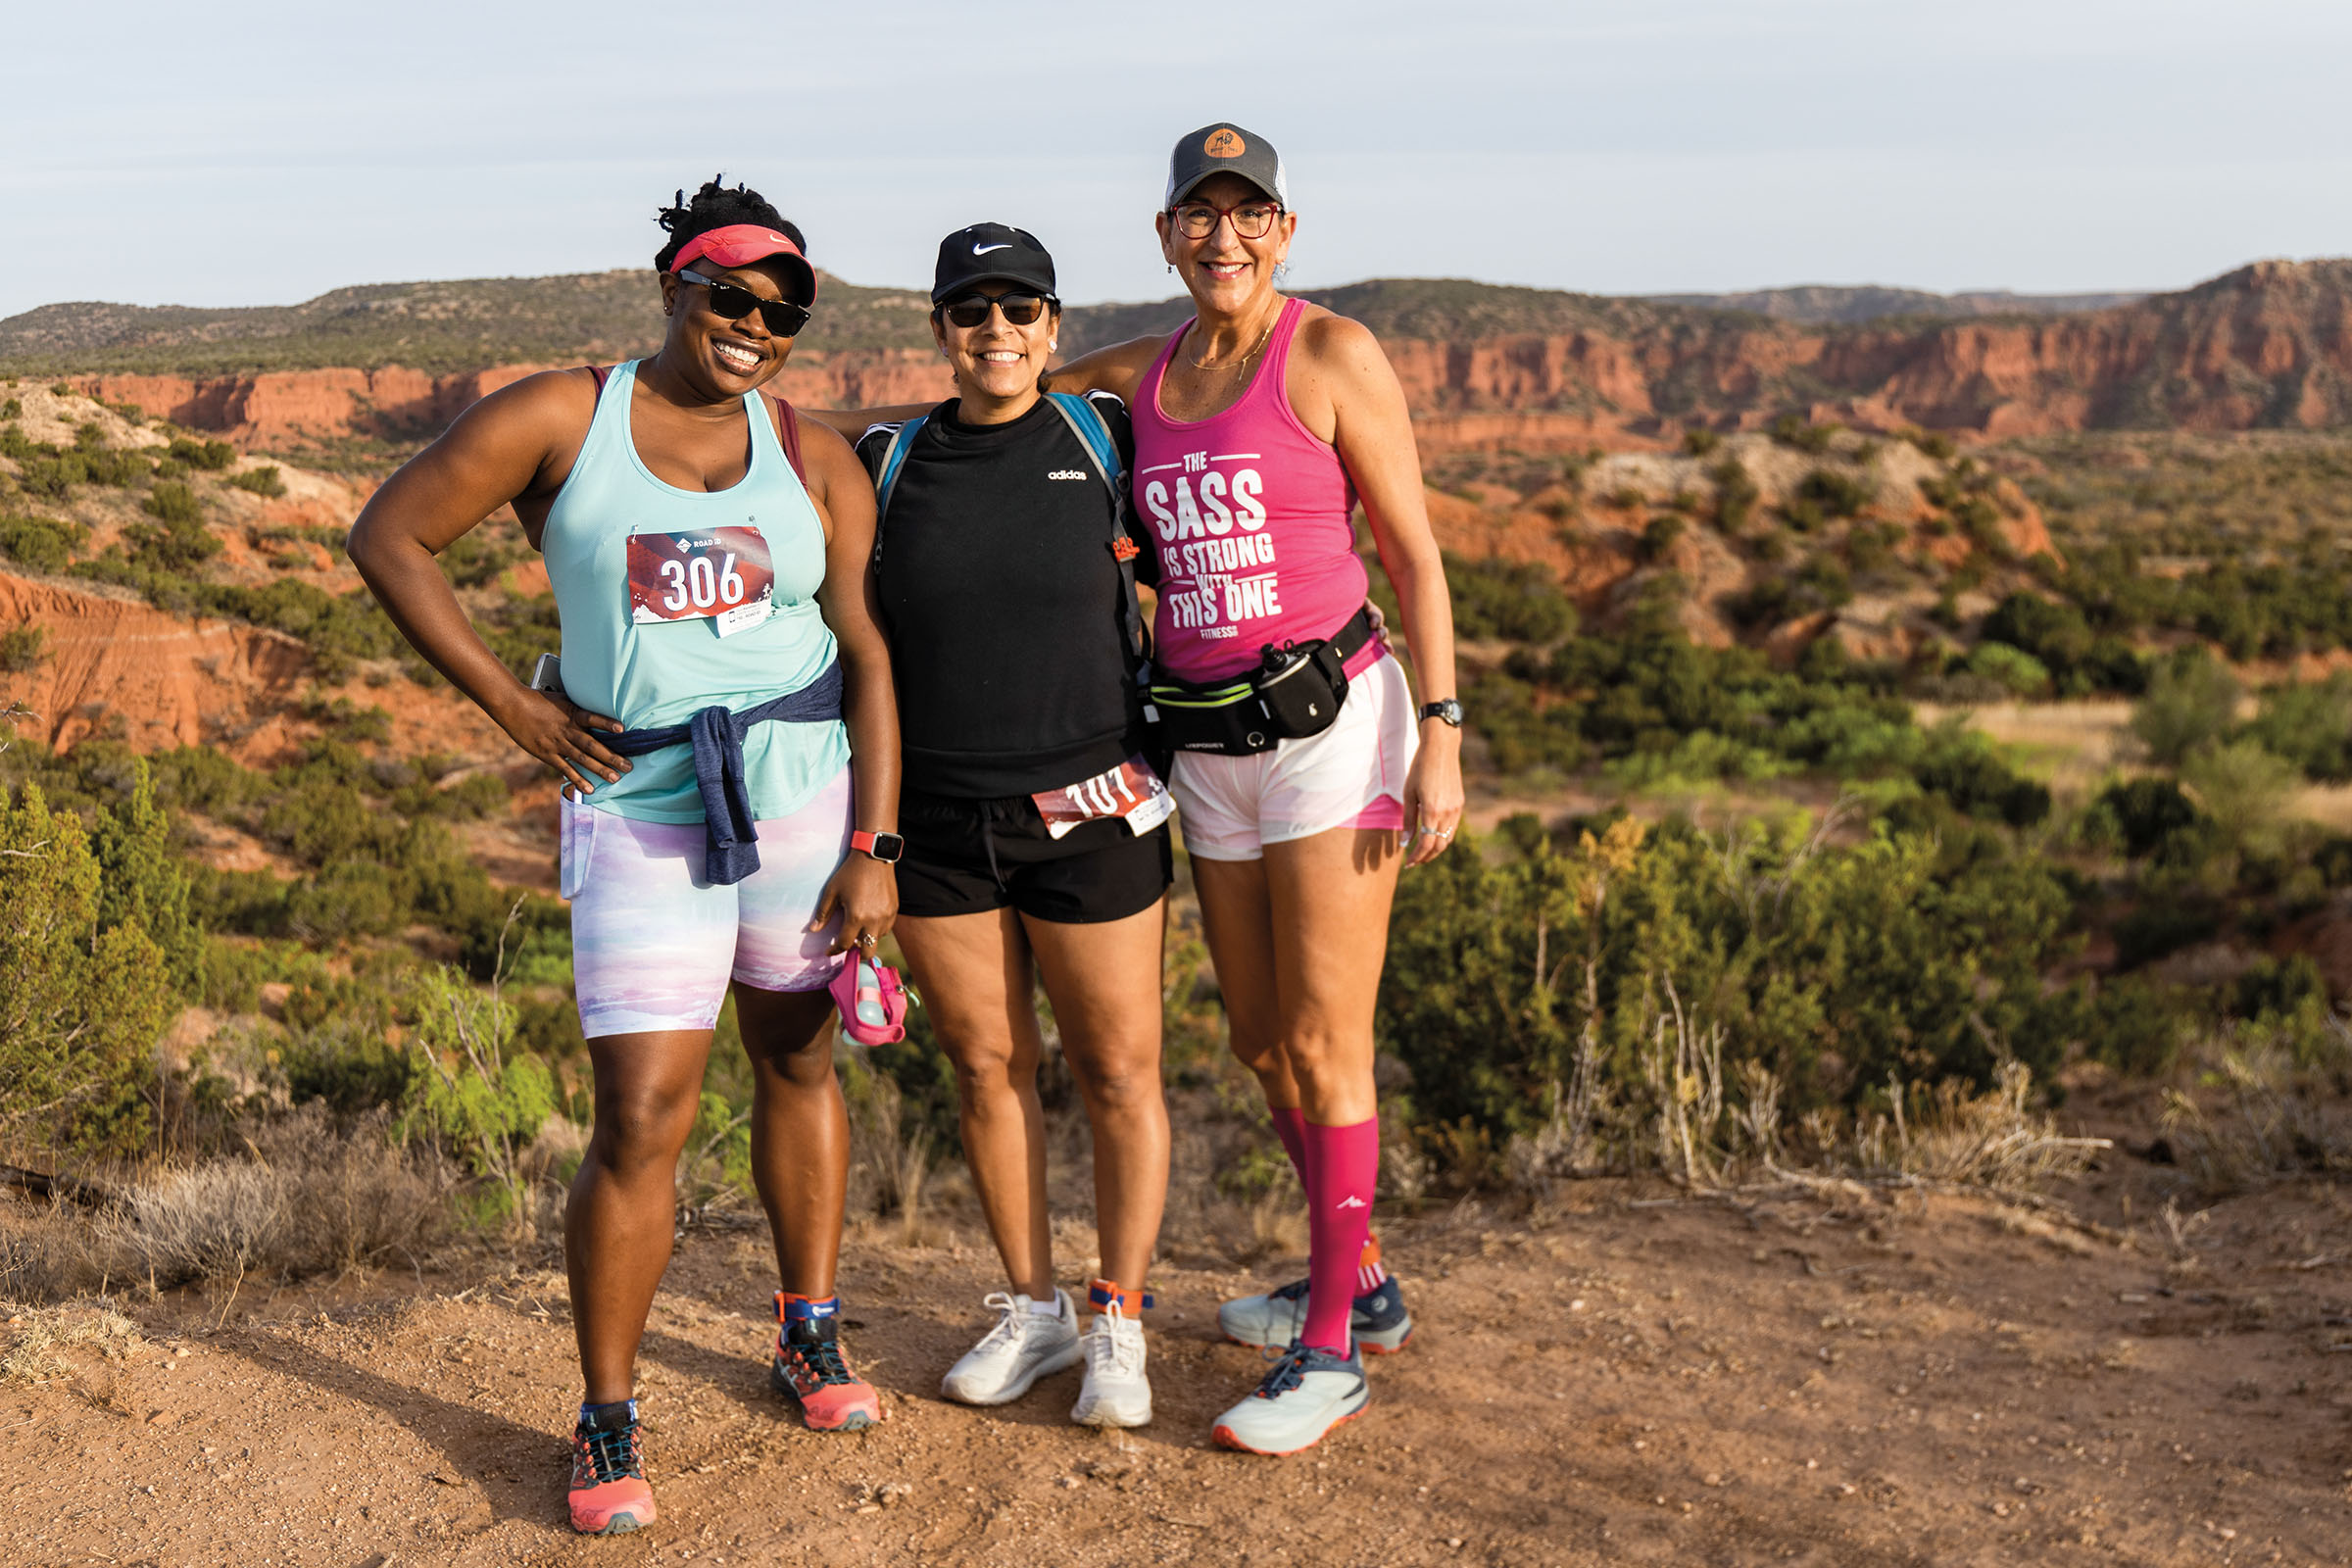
[722, 575]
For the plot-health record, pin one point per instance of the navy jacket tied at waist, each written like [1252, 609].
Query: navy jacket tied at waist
[731, 843]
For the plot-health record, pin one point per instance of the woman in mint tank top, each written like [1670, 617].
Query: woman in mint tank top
[1257, 424]
[727, 738]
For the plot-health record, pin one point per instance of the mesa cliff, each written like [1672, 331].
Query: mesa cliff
[2268, 345]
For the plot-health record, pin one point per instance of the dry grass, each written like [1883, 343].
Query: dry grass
[311, 1198]
[46, 1254]
[2073, 745]
[890, 1166]
[2251, 1108]
[37, 1335]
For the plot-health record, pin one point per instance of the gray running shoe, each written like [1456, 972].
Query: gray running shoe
[1379, 1321]
[1306, 1393]
[1011, 1357]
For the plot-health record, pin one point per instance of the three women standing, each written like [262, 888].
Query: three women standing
[723, 585]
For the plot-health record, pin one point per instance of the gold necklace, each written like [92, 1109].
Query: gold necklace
[1235, 365]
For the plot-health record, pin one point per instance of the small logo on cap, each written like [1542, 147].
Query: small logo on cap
[983, 250]
[1225, 142]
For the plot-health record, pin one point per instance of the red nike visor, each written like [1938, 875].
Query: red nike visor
[741, 244]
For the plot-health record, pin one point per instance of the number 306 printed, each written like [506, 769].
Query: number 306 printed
[686, 577]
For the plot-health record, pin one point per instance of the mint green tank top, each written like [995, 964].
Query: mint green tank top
[647, 576]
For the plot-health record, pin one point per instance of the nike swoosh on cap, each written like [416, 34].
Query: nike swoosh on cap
[983, 250]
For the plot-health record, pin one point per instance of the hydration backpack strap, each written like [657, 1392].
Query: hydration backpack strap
[1086, 424]
[893, 458]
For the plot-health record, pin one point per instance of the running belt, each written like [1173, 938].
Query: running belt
[730, 838]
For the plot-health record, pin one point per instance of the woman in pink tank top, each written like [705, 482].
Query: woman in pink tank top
[1259, 424]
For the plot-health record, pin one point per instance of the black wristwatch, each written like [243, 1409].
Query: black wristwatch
[883, 847]
[1451, 710]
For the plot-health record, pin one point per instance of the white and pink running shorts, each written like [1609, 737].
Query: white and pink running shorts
[654, 946]
[1351, 775]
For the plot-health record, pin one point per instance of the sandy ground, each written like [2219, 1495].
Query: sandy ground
[1824, 1377]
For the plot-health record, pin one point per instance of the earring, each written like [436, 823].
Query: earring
[1052, 344]
[1171, 268]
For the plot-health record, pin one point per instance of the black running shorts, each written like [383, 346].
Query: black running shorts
[966, 857]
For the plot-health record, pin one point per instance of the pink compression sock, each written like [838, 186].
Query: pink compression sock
[1290, 1125]
[1343, 1166]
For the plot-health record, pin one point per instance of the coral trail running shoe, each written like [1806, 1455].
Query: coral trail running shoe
[809, 1370]
[1011, 1357]
[1378, 1320]
[1306, 1393]
[609, 1494]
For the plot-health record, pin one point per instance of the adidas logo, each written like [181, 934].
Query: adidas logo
[1351, 1203]
[1067, 474]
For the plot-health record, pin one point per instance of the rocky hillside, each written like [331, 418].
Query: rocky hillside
[2267, 346]
[1820, 305]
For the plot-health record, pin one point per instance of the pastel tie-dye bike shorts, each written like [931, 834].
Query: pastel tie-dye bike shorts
[654, 946]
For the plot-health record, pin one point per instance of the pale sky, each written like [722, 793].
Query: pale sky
[261, 152]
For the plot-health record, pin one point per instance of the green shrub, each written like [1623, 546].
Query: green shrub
[2191, 702]
[1834, 494]
[1660, 536]
[261, 482]
[344, 902]
[1792, 430]
[22, 649]
[1499, 599]
[1700, 441]
[2153, 930]
[1937, 446]
[2246, 790]
[2310, 724]
[211, 455]
[1736, 495]
[172, 503]
[1870, 550]
[84, 1001]
[2147, 812]
[41, 543]
[2018, 672]
[1511, 982]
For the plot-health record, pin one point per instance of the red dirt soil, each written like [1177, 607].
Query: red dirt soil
[1834, 1379]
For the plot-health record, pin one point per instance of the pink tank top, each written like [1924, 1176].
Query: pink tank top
[1251, 513]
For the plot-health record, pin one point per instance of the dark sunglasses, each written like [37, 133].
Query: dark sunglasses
[732, 302]
[1022, 309]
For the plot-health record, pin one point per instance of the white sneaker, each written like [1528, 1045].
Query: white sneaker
[1116, 1392]
[1307, 1392]
[1022, 1348]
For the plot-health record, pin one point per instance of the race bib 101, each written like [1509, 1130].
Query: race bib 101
[1132, 792]
[722, 575]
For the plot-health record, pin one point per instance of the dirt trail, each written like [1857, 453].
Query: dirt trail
[1827, 1379]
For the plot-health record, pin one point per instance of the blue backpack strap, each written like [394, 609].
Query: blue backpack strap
[1080, 414]
[893, 458]
[1086, 424]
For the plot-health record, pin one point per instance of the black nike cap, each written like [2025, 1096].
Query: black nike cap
[1224, 148]
[989, 253]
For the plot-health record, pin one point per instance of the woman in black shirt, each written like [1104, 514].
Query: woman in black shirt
[1034, 825]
